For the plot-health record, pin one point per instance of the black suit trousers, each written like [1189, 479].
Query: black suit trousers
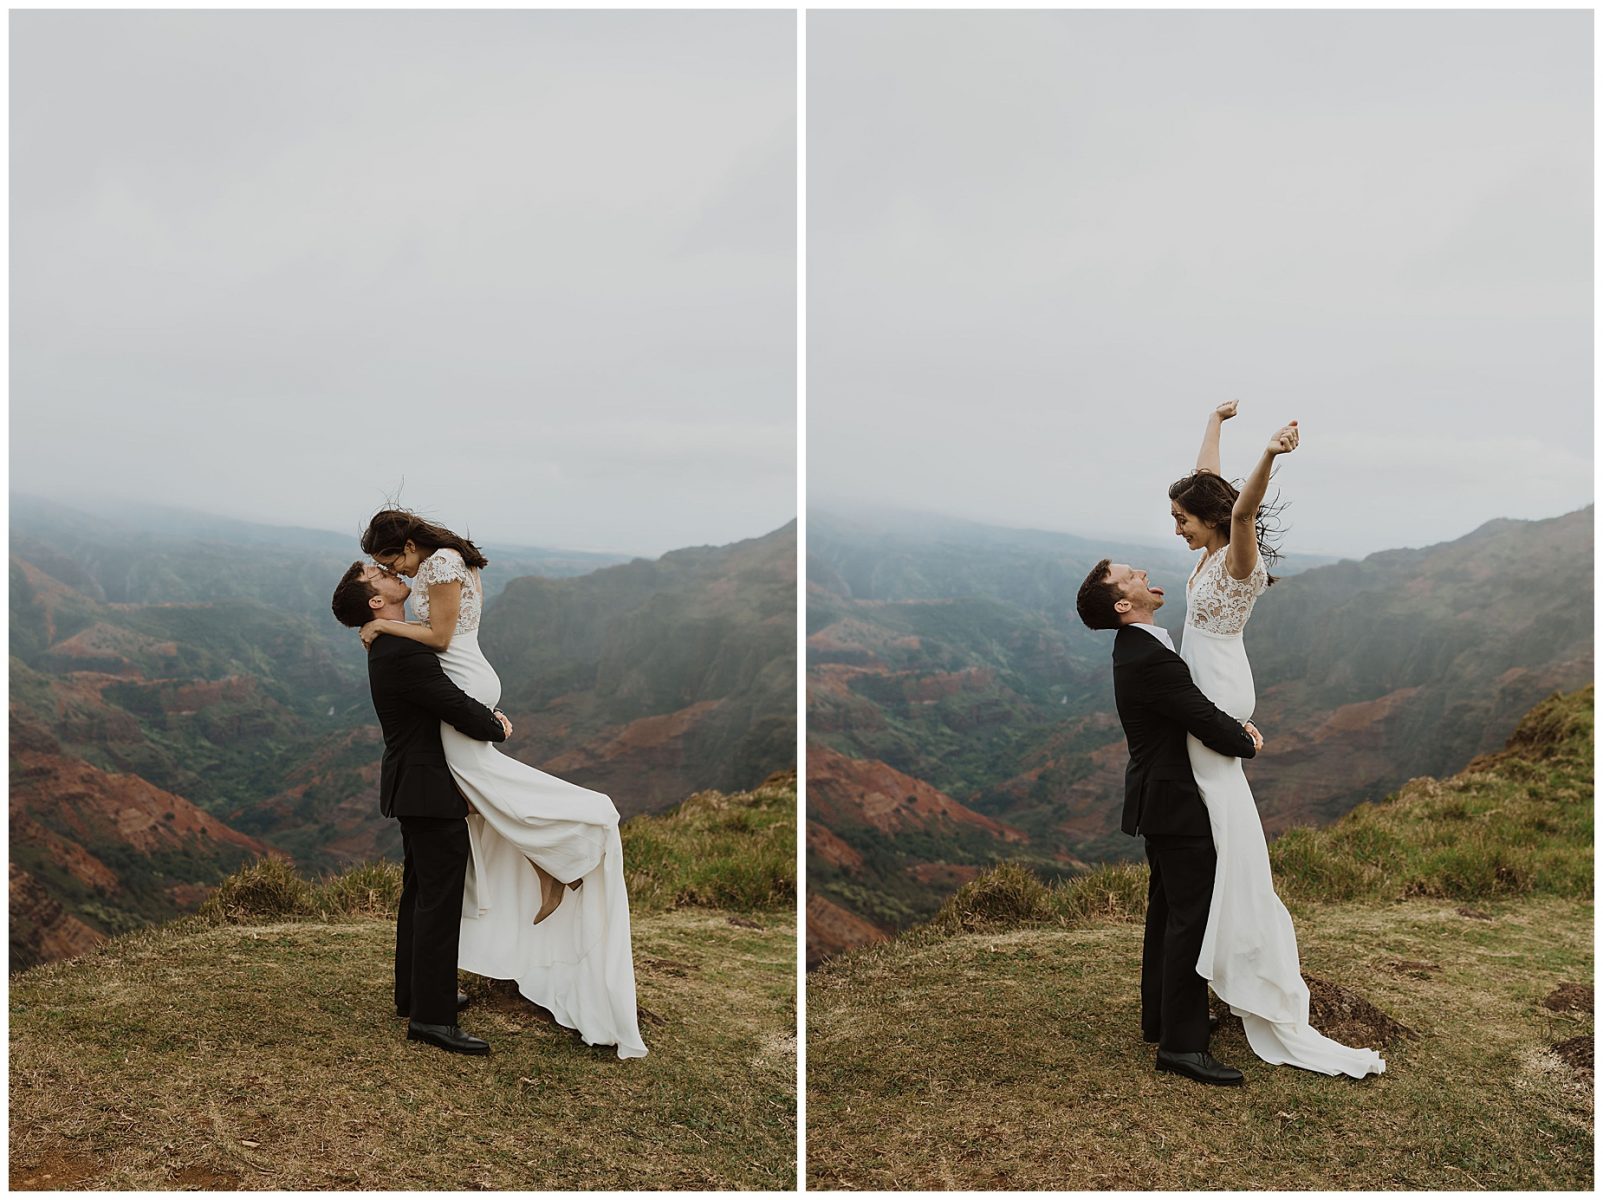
[429, 926]
[1174, 998]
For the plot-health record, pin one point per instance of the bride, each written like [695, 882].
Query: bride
[1249, 949]
[545, 902]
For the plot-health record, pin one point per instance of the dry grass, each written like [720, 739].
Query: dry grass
[1013, 1059]
[266, 1056]
[1011, 896]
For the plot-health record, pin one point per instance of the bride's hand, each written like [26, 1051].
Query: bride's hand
[1226, 410]
[370, 632]
[1285, 439]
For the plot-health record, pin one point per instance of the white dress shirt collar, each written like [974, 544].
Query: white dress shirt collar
[1157, 631]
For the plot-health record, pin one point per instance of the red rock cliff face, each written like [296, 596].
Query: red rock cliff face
[832, 930]
[850, 791]
[60, 808]
[655, 750]
[91, 806]
[824, 846]
[41, 930]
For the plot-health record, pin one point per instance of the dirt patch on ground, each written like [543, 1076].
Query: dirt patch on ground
[1347, 1017]
[501, 998]
[54, 1172]
[1576, 1054]
[1474, 914]
[1569, 997]
[200, 1177]
[1341, 1015]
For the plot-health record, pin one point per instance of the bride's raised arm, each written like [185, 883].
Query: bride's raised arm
[1208, 456]
[1241, 554]
[445, 602]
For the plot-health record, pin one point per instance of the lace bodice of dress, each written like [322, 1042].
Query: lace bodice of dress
[1218, 603]
[445, 566]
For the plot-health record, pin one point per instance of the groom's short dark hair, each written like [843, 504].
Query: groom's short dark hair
[1097, 598]
[351, 598]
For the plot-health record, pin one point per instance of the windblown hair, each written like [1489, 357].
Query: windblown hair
[1211, 498]
[351, 596]
[1096, 599]
[391, 528]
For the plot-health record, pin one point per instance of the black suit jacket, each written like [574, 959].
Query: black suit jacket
[412, 695]
[1158, 705]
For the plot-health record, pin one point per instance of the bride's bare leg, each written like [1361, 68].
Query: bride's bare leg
[550, 892]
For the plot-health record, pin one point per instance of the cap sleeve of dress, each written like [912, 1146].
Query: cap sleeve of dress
[1260, 578]
[443, 566]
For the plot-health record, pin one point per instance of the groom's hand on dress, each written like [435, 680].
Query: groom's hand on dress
[505, 724]
[1252, 732]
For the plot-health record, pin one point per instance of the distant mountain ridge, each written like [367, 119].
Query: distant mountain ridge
[205, 678]
[149, 554]
[963, 666]
[657, 678]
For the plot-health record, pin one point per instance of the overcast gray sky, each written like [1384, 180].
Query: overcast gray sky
[1043, 245]
[539, 265]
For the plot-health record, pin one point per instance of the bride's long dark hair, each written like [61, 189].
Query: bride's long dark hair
[391, 528]
[1211, 499]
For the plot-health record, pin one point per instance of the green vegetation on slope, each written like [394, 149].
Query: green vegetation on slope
[242, 1050]
[1515, 823]
[718, 850]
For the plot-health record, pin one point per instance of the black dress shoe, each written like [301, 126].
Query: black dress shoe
[446, 1037]
[1199, 1065]
[462, 1002]
[1151, 1039]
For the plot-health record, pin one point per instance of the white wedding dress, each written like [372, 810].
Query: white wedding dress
[1249, 949]
[578, 962]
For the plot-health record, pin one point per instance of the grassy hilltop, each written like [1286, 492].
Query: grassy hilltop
[254, 1046]
[1449, 926]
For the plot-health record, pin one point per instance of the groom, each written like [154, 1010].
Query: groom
[1158, 705]
[412, 696]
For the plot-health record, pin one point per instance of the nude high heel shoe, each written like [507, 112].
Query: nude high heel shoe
[551, 891]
